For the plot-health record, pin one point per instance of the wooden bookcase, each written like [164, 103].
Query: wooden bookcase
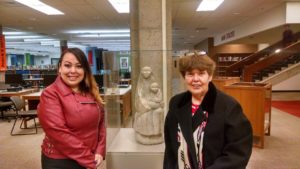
[224, 60]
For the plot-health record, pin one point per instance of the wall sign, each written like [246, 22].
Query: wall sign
[228, 35]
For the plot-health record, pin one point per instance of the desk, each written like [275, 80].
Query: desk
[33, 99]
[124, 97]
[18, 93]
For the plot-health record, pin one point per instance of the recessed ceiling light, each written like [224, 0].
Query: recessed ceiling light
[209, 5]
[122, 6]
[40, 6]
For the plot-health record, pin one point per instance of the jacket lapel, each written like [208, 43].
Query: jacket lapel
[183, 114]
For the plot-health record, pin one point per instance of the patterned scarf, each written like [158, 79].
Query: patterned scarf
[198, 135]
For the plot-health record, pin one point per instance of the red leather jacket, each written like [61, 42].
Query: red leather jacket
[73, 124]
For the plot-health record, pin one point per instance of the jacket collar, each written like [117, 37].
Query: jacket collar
[62, 87]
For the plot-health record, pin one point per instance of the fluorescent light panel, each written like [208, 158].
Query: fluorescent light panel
[40, 6]
[122, 6]
[14, 33]
[209, 5]
[102, 35]
[100, 31]
[39, 40]
[22, 37]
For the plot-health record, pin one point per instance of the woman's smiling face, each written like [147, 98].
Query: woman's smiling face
[197, 82]
[71, 71]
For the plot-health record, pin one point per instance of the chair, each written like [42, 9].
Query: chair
[5, 105]
[19, 107]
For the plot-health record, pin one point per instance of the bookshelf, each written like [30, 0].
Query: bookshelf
[224, 60]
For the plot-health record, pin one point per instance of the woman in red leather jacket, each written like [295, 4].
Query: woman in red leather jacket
[72, 116]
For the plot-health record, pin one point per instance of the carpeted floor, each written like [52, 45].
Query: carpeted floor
[291, 107]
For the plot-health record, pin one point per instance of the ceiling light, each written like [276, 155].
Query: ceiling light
[209, 5]
[21, 43]
[14, 33]
[277, 50]
[38, 40]
[102, 35]
[40, 6]
[22, 37]
[100, 31]
[122, 6]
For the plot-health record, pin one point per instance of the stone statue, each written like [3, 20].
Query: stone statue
[148, 119]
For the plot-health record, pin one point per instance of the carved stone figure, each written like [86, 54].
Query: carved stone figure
[148, 120]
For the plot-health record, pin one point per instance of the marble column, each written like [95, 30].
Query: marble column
[151, 46]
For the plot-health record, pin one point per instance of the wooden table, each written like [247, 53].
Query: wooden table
[121, 95]
[17, 93]
[33, 99]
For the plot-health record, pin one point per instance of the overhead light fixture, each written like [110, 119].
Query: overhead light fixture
[100, 31]
[102, 35]
[22, 37]
[14, 33]
[209, 5]
[122, 6]
[38, 40]
[40, 6]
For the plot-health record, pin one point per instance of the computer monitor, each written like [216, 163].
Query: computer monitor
[48, 79]
[14, 79]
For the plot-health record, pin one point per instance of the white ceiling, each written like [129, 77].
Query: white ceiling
[189, 27]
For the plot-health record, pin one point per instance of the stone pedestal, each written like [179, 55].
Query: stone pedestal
[125, 153]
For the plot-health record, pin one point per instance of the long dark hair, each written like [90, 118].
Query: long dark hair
[88, 84]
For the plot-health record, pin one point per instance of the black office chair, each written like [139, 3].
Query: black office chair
[19, 107]
[6, 105]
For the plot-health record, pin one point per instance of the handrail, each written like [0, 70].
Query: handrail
[256, 56]
[272, 59]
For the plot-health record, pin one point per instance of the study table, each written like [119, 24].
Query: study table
[20, 93]
[121, 95]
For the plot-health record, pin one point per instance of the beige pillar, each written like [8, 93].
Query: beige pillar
[63, 45]
[151, 42]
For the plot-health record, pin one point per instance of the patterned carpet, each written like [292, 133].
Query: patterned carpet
[291, 107]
